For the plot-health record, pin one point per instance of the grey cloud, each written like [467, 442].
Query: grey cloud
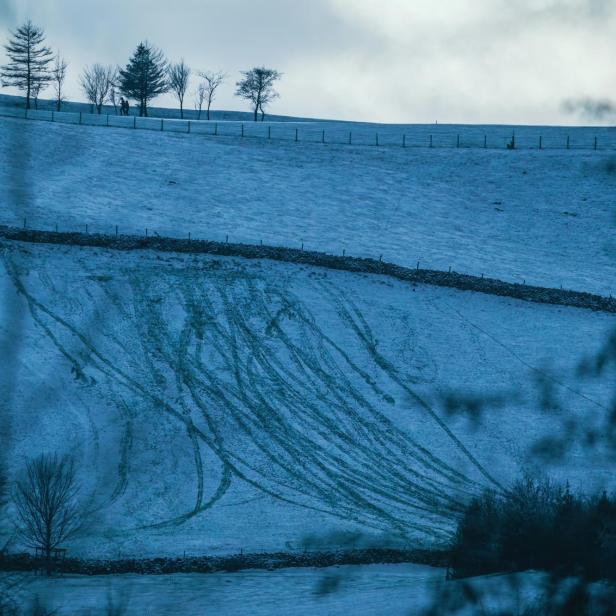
[591, 109]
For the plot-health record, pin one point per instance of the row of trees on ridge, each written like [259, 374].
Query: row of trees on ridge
[33, 67]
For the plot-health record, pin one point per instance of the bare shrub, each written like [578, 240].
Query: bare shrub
[46, 503]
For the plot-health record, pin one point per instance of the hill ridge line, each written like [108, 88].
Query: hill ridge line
[453, 280]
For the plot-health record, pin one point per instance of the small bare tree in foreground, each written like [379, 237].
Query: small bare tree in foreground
[46, 503]
[36, 90]
[96, 82]
[199, 99]
[257, 86]
[178, 76]
[58, 76]
[208, 87]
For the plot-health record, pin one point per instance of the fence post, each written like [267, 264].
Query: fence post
[403, 141]
[134, 121]
[377, 140]
[116, 230]
[86, 228]
[80, 117]
[52, 116]
[540, 142]
[567, 141]
[430, 140]
[188, 126]
[296, 135]
[595, 143]
[350, 138]
[216, 129]
[161, 124]
[269, 132]
[458, 142]
[485, 142]
[242, 130]
[323, 137]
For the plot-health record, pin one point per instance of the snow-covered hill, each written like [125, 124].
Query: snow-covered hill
[218, 404]
[546, 217]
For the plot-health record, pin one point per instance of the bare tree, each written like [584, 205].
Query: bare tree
[58, 76]
[35, 91]
[200, 95]
[96, 82]
[113, 98]
[210, 84]
[29, 60]
[178, 76]
[114, 90]
[46, 503]
[257, 86]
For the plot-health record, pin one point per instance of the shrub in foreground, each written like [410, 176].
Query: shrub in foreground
[537, 525]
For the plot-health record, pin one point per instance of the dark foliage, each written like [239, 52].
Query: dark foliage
[537, 525]
[145, 76]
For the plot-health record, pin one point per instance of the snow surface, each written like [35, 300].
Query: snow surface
[386, 590]
[219, 404]
[542, 216]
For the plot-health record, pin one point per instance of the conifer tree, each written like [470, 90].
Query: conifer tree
[145, 76]
[29, 59]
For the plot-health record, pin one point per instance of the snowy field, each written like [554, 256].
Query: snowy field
[218, 404]
[386, 590]
[546, 217]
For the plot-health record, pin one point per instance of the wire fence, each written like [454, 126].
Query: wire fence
[342, 133]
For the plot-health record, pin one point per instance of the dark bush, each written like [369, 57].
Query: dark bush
[537, 525]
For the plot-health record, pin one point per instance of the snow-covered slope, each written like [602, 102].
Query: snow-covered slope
[222, 404]
[541, 216]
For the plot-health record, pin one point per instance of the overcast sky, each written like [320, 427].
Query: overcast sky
[476, 61]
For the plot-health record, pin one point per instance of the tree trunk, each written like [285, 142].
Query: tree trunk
[181, 110]
[48, 561]
[256, 114]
